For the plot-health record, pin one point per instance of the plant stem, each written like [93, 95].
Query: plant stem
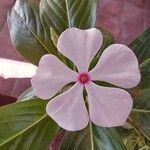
[91, 136]
[136, 128]
[90, 125]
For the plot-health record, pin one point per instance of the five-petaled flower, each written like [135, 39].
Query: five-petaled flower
[107, 106]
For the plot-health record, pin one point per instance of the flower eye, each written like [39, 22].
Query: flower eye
[84, 78]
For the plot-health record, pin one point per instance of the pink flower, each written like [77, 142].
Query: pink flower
[107, 106]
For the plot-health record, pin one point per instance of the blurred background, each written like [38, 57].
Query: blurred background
[126, 19]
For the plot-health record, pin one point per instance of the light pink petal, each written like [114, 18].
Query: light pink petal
[118, 65]
[108, 107]
[80, 46]
[51, 76]
[16, 69]
[69, 110]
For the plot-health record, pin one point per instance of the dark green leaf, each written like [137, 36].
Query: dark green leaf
[26, 31]
[141, 112]
[62, 14]
[25, 125]
[132, 140]
[128, 136]
[145, 73]
[97, 139]
[141, 48]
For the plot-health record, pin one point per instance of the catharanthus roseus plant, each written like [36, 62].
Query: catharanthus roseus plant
[97, 91]
[107, 106]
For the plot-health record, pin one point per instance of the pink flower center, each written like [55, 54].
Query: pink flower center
[84, 78]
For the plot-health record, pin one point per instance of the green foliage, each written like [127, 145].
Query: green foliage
[145, 73]
[25, 125]
[141, 48]
[132, 140]
[62, 14]
[141, 112]
[27, 33]
[102, 139]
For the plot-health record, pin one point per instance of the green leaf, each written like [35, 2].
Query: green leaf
[141, 46]
[145, 73]
[62, 14]
[97, 138]
[25, 125]
[141, 112]
[131, 140]
[27, 95]
[129, 137]
[27, 33]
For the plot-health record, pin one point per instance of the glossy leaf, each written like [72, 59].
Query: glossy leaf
[27, 33]
[141, 48]
[97, 139]
[145, 72]
[141, 112]
[62, 14]
[25, 125]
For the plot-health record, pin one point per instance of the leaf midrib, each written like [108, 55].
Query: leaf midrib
[68, 14]
[140, 110]
[24, 130]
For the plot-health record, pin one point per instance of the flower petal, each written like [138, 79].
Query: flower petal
[16, 69]
[118, 65]
[80, 46]
[69, 110]
[51, 76]
[108, 107]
